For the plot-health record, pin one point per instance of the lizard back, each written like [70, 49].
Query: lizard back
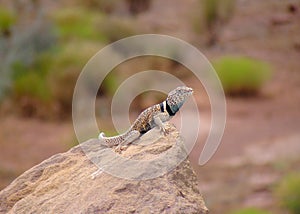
[145, 120]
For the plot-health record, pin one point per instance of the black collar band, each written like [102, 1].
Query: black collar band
[169, 110]
[161, 107]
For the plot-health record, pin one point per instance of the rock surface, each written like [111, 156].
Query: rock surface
[63, 183]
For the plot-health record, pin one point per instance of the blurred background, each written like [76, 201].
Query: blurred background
[254, 46]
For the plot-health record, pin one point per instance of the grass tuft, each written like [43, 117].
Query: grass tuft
[242, 75]
[288, 192]
[7, 20]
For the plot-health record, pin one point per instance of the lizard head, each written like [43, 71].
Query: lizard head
[177, 97]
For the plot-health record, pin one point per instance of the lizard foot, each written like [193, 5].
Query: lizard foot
[165, 131]
[120, 148]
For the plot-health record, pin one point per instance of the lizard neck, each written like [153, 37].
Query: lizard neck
[171, 109]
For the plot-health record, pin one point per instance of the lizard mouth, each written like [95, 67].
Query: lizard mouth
[190, 91]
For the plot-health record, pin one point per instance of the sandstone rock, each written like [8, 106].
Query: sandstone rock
[63, 183]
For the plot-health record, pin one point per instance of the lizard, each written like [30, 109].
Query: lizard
[151, 117]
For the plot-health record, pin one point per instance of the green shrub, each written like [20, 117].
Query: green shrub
[45, 79]
[7, 19]
[30, 81]
[250, 211]
[288, 192]
[32, 85]
[78, 23]
[91, 25]
[20, 52]
[45, 87]
[215, 14]
[106, 6]
[241, 75]
[65, 69]
[210, 10]
[74, 55]
[30, 91]
[115, 28]
[217, 11]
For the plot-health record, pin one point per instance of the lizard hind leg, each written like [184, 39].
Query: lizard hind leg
[132, 136]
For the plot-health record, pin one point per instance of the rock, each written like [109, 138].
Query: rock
[63, 183]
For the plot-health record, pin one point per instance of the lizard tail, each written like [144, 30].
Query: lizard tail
[101, 136]
[111, 141]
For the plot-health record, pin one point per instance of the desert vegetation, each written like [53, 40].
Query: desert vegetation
[287, 192]
[242, 75]
[62, 40]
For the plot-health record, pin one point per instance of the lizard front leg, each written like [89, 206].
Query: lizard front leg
[158, 121]
[132, 136]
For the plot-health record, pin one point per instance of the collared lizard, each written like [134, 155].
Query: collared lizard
[151, 117]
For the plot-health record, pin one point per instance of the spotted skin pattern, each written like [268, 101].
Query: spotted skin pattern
[151, 117]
